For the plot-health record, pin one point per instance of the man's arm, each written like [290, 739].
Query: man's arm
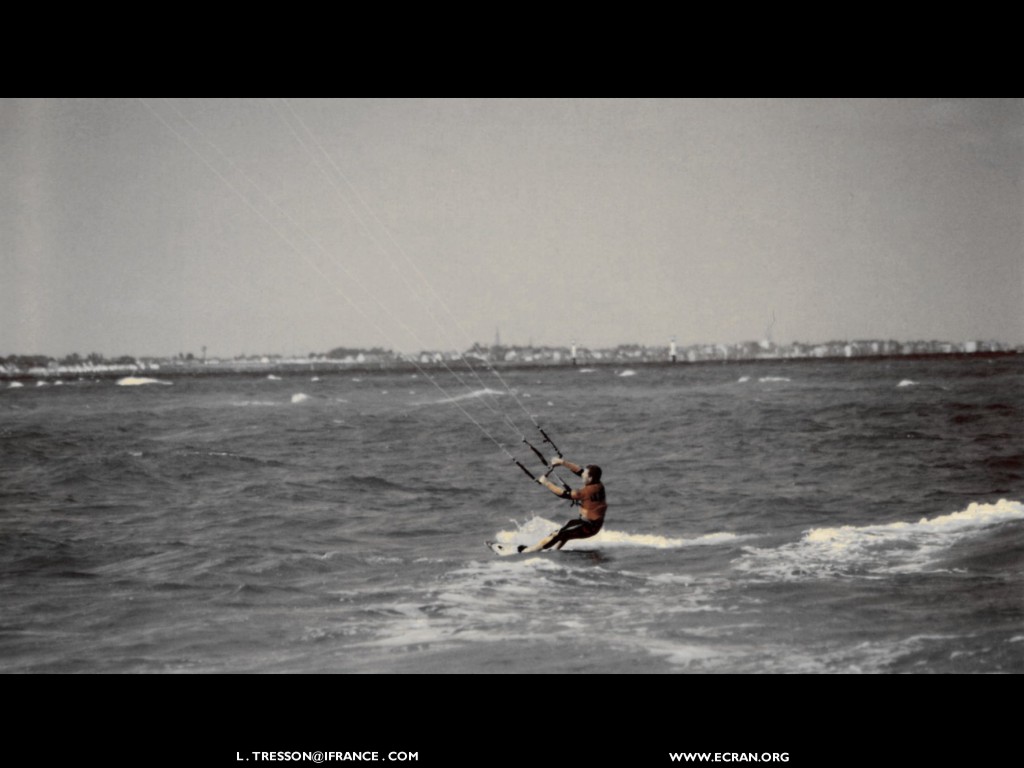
[576, 469]
[565, 493]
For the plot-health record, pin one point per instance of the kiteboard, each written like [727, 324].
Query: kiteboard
[507, 550]
[504, 550]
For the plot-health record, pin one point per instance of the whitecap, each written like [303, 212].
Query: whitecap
[468, 396]
[897, 547]
[683, 654]
[975, 516]
[536, 528]
[655, 541]
[743, 380]
[299, 397]
[272, 377]
[627, 373]
[15, 385]
[139, 381]
[773, 378]
[907, 383]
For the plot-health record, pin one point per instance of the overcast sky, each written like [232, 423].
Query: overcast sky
[153, 227]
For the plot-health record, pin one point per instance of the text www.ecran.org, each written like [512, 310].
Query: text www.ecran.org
[729, 757]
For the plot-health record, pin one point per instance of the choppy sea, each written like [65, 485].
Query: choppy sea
[862, 516]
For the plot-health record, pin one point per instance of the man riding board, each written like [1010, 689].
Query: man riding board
[591, 498]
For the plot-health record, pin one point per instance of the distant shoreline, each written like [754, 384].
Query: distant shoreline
[198, 369]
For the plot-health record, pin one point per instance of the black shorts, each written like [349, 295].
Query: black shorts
[580, 528]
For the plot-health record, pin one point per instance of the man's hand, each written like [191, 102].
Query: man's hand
[556, 461]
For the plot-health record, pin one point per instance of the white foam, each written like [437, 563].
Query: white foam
[975, 516]
[299, 397]
[468, 396]
[773, 378]
[272, 377]
[537, 528]
[627, 373]
[683, 654]
[654, 541]
[139, 381]
[743, 380]
[907, 383]
[587, 370]
[875, 549]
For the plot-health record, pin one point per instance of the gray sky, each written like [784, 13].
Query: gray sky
[156, 227]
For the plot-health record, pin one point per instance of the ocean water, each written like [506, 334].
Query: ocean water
[770, 517]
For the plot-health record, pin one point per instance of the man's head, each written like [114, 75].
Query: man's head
[593, 473]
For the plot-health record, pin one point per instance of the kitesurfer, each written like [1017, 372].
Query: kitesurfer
[591, 498]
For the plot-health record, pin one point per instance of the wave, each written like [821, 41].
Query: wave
[907, 383]
[139, 381]
[623, 539]
[871, 550]
[764, 379]
[627, 373]
[468, 396]
[976, 515]
[537, 528]
[299, 397]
